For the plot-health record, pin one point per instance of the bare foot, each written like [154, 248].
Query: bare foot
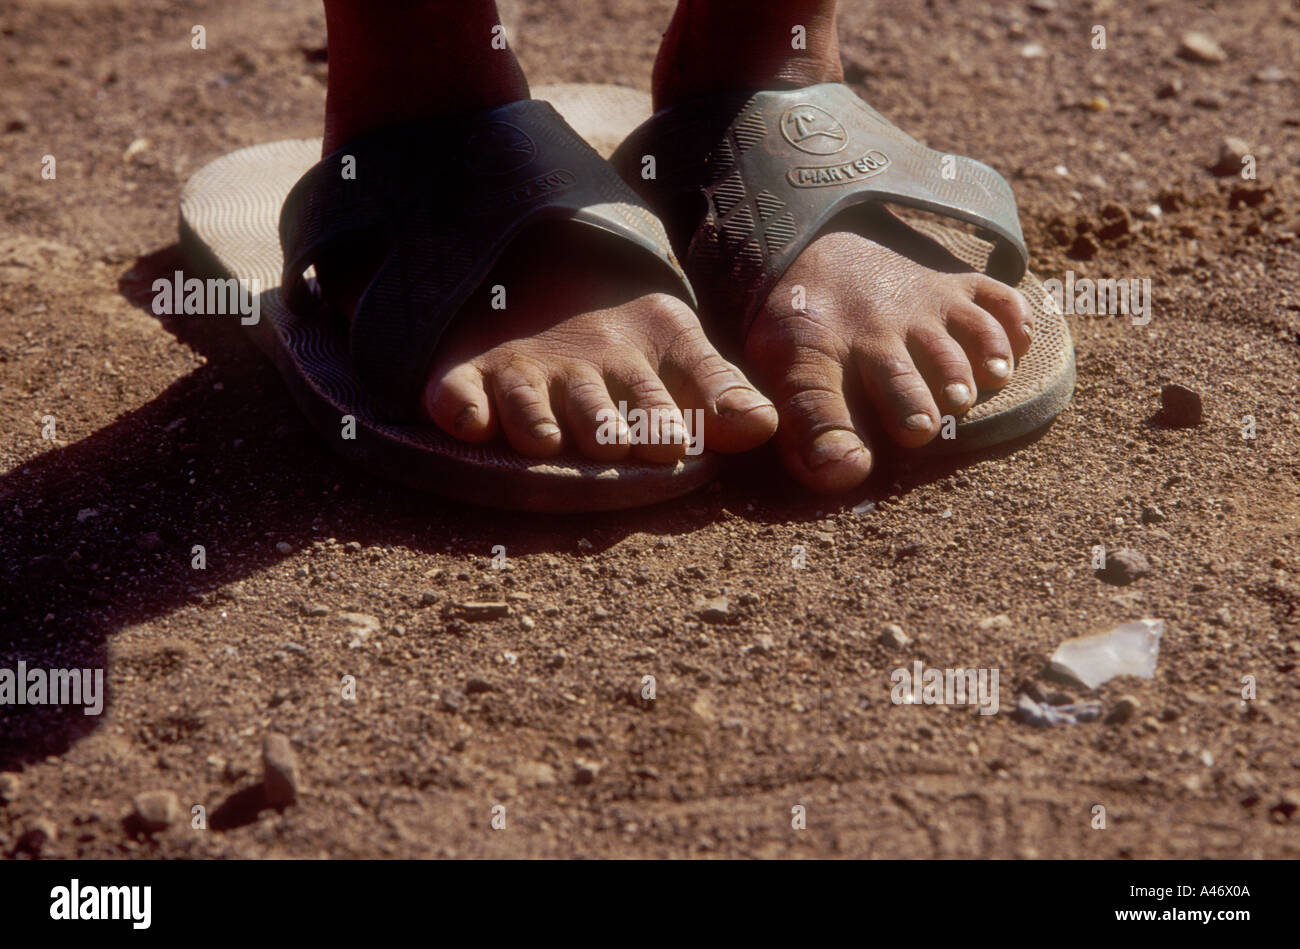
[911, 343]
[587, 324]
[880, 332]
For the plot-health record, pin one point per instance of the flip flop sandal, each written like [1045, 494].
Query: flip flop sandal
[445, 199]
[745, 182]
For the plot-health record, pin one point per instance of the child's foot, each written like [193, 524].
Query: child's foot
[587, 323]
[879, 329]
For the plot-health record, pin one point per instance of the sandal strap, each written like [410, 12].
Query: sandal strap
[774, 167]
[443, 199]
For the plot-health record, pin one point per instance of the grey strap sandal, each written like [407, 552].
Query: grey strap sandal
[745, 182]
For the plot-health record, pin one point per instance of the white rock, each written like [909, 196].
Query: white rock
[1130, 649]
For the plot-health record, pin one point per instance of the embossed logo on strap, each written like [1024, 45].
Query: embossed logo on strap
[819, 176]
[498, 148]
[813, 130]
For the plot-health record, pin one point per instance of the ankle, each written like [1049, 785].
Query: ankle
[400, 63]
[730, 45]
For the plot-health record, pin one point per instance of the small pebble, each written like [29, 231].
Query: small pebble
[283, 548]
[892, 635]
[1232, 152]
[1151, 514]
[1201, 48]
[157, 810]
[1180, 407]
[1170, 88]
[1123, 567]
[584, 771]
[715, 610]
[279, 770]
[479, 611]
[1125, 707]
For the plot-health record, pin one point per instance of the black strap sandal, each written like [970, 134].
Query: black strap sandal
[441, 201]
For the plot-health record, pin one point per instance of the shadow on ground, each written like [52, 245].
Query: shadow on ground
[100, 534]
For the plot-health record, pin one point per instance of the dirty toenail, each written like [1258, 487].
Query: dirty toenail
[465, 416]
[998, 368]
[957, 393]
[920, 422]
[545, 430]
[833, 446]
[740, 400]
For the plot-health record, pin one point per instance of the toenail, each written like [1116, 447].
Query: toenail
[920, 422]
[957, 393]
[740, 400]
[1029, 330]
[545, 430]
[833, 446]
[998, 368]
[465, 416]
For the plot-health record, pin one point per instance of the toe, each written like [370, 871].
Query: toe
[657, 430]
[1009, 307]
[900, 394]
[737, 417]
[946, 370]
[985, 341]
[456, 399]
[594, 422]
[816, 433]
[523, 404]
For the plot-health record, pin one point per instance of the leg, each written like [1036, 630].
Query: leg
[586, 324]
[913, 340]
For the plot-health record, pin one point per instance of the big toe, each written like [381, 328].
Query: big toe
[817, 437]
[736, 416]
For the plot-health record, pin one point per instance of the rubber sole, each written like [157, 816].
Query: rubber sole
[229, 215]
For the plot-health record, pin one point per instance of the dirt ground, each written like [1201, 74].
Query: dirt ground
[172, 433]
